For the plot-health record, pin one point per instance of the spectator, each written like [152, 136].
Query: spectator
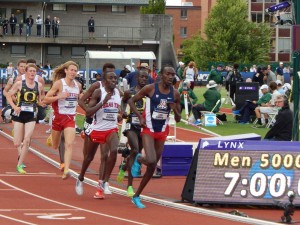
[5, 26]
[29, 23]
[279, 73]
[13, 21]
[21, 27]
[253, 69]
[154, 74]
[216, 76]
[211, 96]
[190, 73]
[233, 77]
[259, 76]
[125, 71]
[48, 66]
[248, 108]
[47, 26]
[55, 24]
[191, 96]
[180, 71]
[280, 87]
[268, 107]
[282, 128]
[91, 27]
[131, 77]
[10, 69]
[132, 67]
[270, 75]
[39, 23]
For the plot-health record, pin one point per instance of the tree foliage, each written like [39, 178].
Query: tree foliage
[229, 37]
[155, 7]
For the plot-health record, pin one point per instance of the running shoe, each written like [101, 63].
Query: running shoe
[79, 187]
[197, 122]
[66, 175]
[62, 167]
[107, 191]
[137, 202]
[77, 130]
[99, 194]
[120, 176]
[136, 166]
[48, 131]
[23, 165]
[20, 170]
[130, 191]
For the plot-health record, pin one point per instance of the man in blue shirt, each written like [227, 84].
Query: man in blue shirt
[132, 77]
[279, 73]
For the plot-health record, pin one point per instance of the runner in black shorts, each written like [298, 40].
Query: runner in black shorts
[133, 129]
[25, 111]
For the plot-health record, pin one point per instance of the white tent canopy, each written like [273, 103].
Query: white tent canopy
[110, 55]
[119, 55]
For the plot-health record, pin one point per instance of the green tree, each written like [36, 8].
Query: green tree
[155, 7]
[229, 37]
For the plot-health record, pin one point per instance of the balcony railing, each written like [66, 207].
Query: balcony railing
[104, 34]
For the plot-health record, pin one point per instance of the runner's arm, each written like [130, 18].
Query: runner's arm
[87, 94]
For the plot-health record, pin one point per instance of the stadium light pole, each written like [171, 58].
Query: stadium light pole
[296, 68]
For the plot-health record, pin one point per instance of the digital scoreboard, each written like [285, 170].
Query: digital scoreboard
[247, 172]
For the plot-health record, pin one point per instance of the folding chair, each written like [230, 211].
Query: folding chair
[212, 111]
[271, 119]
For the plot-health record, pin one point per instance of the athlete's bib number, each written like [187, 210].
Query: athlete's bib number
[159, 115]
[70, 104]
[135, 120]
[110, 116]
[27, 107]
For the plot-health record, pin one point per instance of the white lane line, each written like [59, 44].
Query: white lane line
[21, 221]
[74, 207]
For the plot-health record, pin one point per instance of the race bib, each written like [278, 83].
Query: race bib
[135, 120]
[27, 107]
[110, 116]
[70, 104]
[128, 126]
[159, 115]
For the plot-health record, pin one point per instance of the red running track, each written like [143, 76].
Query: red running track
[41, 197]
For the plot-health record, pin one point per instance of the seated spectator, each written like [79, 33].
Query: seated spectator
[248, 108]
[211, 96]
[280, 87]
[268, 107]
[282, 128]
[191, 97]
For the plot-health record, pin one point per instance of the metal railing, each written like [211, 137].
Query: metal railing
[105, 33]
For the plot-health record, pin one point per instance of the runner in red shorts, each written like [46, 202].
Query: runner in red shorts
[160, 99]
[64, 95]
[104, 106]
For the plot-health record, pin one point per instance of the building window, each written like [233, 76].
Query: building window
[2, 13]
[59, 7]
[18, 49]
[117, 49]
[54, 50]
[183, 32]
[78, 51]
[183, 13]
[118, 9]
[284, 45]
[256, 17]
[89, 8]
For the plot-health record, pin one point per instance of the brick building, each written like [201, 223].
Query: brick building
[188, 19]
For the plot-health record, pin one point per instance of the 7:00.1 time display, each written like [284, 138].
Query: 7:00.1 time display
[258, 184]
